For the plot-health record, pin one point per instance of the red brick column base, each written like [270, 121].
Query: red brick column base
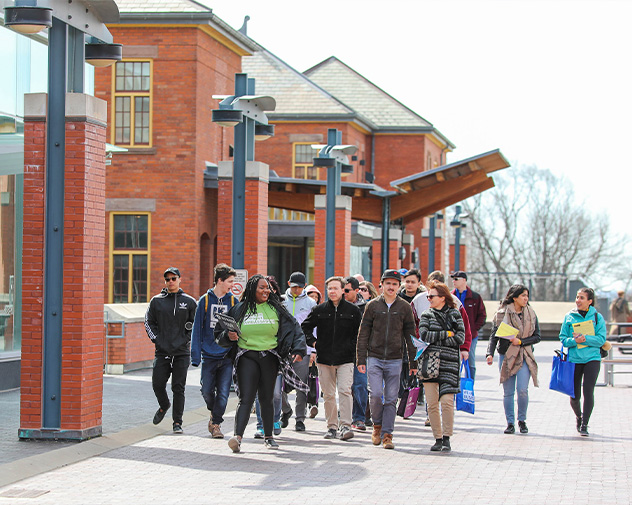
[84, 242]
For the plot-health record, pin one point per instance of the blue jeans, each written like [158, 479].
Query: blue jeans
[277, 404]
[521, 382]
[360, 395]
[472, 358]
[215, 379]
[383, 378]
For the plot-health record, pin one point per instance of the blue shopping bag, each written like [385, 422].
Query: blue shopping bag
[465, 399]
[563, 374]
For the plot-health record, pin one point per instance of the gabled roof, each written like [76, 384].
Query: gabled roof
[294, 93]
[155, 6]
[367, 99]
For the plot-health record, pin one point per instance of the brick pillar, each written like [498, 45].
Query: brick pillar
[84, 242]
[376, 257]
[394, 243]
[342, 262]
[256, 238]
[408, 242]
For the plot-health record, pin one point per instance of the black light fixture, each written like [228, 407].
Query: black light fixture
[264, 131]
[227, 117]
[28, 20]
[346, 168]
[103, 55]
[324, 162]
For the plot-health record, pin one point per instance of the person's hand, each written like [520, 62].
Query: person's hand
[362, 368]
[450, 333]
[297, 358]
[490, 360]
[464, 355]
[413, 371]
[312, 358]
[579, 338]
[516, 341]
[232, 335]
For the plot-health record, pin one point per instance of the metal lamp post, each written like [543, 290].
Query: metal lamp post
[431, 241]
[457, 224]
[386, 223]
[333, 156]
[245, 112]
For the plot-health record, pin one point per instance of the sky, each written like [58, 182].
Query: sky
[548, 82]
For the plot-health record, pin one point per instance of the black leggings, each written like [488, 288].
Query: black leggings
[589, 371]
[256, 374]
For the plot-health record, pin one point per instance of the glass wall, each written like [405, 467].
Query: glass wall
[24, 64]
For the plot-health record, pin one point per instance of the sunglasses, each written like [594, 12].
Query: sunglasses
[364, 289]
[171, 279]
[430, 297]
[348, 290]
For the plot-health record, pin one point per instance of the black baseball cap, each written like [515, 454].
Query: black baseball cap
[171, 270]
[459, 274]
[355, 283]
[297, 279]
[391, 274]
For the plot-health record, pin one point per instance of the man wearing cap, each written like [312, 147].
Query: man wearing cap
[476, 314]
[168, 322]
[385, 331]
[299, 305]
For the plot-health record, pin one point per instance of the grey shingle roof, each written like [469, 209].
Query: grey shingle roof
[293, 92]
[363, 96]
[149, 6]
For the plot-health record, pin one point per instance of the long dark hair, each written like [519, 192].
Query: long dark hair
[250, 302]
[589, 292]
[514, 292]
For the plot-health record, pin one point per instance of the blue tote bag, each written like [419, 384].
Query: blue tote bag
[465, 399]
[563, 374]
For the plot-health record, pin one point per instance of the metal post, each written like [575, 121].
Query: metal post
[431, 244]
[457, 248]
[250, 125]
[386, 225]
[239, 180]
[54, 225]
[76, 59]
[334, 137]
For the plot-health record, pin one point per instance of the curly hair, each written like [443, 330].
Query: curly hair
[250, 302]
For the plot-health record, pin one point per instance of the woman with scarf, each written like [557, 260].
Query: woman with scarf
[515, 354]
[441, 326]
[269, 339]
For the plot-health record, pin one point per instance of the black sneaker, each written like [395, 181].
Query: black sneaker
[583, 431]
[331, 433]
[299, 426]
[445, 444]
[438, 445]
[160, 415]
[523, 427]
[579, 423]
[177, 428]
[510, 430]
[270, 443]
[285, 418]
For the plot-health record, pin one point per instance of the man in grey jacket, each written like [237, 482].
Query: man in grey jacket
[299, 305]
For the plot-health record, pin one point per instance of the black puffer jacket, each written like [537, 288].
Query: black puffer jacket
[290, 338]
[169, 321]
[337, 331]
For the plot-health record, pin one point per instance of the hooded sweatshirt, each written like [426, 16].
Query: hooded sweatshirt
[296, 305]
[203, 343]
[589, 350]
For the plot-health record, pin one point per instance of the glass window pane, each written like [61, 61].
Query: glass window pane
[304, 153]
[139, 283]
[120, 279]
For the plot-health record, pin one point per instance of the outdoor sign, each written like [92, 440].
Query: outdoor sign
[240, 282]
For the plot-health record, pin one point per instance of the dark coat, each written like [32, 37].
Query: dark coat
[169, 321]
[337, 331]
[475, 308]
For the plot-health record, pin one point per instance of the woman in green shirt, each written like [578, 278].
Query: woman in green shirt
[268, 337]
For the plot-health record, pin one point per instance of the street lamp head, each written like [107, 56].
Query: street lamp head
[324, 162]
[264, 131]
[346, 169]
[28, 20]
[227, 117]
[103, 55]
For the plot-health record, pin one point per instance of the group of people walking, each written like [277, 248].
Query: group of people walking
[361, 341]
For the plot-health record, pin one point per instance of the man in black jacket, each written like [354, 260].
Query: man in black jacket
[336, 322]
[168, 322]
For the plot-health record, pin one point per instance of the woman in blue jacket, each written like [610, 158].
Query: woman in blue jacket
[583, 350]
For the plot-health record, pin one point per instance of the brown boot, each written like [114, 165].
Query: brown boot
[216, 432]
[376, 436]
[388, 441]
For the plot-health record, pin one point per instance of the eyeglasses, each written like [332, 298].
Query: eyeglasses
[171, 279]
[430, 297]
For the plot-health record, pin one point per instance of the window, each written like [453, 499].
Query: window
[129, 257]
[303, 161]
[132, 103]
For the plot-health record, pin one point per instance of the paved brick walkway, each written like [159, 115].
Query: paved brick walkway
[551, 464]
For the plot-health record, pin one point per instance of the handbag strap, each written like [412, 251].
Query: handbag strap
[465, 364]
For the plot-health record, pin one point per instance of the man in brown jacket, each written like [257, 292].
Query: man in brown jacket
[386, 329]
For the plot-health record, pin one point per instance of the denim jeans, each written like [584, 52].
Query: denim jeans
[277, 404]
[521, 381]
[176, 367]
[215, 380]
[383, 378]
[360, 395]
[472, 358]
